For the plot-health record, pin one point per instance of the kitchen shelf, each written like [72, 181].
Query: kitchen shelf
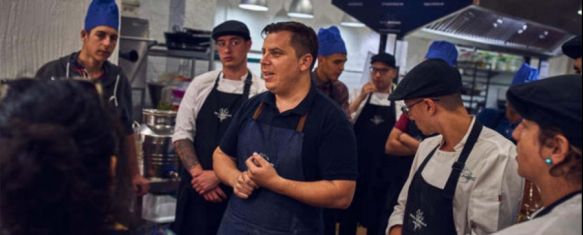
[476, 81]
[161, 50]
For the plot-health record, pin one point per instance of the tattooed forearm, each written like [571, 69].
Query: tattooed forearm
[185, 151]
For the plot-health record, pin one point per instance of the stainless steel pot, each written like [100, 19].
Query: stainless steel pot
[160, 161]
[159, 158]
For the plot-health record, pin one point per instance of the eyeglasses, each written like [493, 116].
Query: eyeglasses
[407, 108]
[231, 43]
[381, 71]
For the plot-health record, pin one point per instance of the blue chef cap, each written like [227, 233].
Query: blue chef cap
[443, 50]
[330, 42]
[102, 13]
[525, 74]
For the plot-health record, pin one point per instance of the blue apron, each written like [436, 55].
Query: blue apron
[429, 210]
[266, 212]
[195, 215]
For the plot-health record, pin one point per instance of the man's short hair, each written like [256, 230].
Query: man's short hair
[304, 39]
[451, 102]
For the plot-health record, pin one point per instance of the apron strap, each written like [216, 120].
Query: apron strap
[247, 88]
[302, 123]
[258, 111]
[217, 81]
[368, 98]
[459, 165]
[393, 104]
[424, 163]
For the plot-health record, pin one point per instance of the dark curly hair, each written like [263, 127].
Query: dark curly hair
[57, 143]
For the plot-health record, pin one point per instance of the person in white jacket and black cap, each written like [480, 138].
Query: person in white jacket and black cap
[463, 180]
[549, 152]
[205, 112]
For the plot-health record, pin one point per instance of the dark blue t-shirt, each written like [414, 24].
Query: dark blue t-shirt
[496, 120]
[329, 145]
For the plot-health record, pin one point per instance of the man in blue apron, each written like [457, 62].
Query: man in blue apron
[331, 59]
[288, 152]
[463, 180]
[374, 117]
[203, 117]
[99, 38]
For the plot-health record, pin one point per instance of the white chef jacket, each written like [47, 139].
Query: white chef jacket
[380, 99]
[197, 92]
[489, 191]
[565, 219]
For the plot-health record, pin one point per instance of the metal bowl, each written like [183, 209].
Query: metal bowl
[160, 121]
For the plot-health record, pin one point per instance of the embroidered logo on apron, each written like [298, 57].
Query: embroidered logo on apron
[467, 175]
[418, 220]
[377, 120]
[223, 114]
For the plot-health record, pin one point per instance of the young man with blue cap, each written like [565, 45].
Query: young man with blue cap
[205, 112]
[463, 180]
[504, 121]
[99, 38]
[443, 50]
[332, 56]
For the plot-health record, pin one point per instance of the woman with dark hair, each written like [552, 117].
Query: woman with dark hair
[549, 152]
[59, 148]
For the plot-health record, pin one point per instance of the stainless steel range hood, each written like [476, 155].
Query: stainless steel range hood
[482, 28]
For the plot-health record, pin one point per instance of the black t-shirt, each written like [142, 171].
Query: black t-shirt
[329, 145]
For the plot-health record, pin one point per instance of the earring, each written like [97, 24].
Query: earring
[549, 161]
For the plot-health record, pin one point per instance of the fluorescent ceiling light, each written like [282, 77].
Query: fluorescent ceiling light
[350, 21]
[254, 5]
[300, 15]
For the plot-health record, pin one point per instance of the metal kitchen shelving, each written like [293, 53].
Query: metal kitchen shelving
[476, 79]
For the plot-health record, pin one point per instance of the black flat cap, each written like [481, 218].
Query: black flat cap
[572, 48]
[552, 103]
[432, 78]
[385, 58]
[231, 27]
